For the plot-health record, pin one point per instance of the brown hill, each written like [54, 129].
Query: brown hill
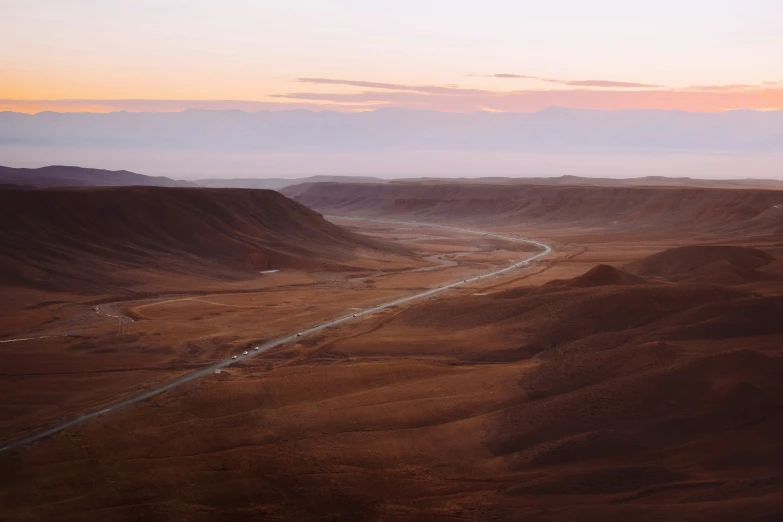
[635, 209]
[83, 239]
[552, 316]
[705, 264]
[602, 275]
[647, 397]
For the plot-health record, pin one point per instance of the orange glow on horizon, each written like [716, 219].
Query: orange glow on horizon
[462, 100]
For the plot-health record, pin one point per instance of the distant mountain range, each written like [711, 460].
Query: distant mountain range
[644, 181]
[65, 176]
[70, 176]
[279, 183]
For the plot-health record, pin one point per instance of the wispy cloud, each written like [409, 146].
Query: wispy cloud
[577, 83]
[726, 88]
[427, 89]
[584, 98]
[608, 83]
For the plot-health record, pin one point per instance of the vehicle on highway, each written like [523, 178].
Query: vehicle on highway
[256, 348]
[234, 357]
[299, 334]
[244, 353]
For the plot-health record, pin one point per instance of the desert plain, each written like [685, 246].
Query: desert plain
[635, 373]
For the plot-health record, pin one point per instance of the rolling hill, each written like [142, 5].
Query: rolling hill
[84, 239]
[631, 209]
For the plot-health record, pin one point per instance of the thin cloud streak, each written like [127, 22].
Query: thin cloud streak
[427, 89]
[609, 83]
[724, 88]
[577, 83]
[590, 94]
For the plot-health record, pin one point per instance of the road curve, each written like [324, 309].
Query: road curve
[208, 370]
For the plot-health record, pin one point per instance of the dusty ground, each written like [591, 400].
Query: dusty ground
[79, 352]
[508, 400]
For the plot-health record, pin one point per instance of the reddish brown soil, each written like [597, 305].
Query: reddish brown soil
[612, 395]
[81, 239]
[76, 358]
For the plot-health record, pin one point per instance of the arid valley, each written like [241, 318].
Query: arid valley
[437, 261]
[635, 372]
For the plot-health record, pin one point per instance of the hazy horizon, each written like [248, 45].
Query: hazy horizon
[402, 143]
[540, 165]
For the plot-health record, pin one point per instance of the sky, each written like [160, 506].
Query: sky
[345, 55]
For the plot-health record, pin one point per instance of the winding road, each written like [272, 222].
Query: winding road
[260, 349]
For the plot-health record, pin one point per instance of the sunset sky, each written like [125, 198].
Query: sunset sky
[520, 56]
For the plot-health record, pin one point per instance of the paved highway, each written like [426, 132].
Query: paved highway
[28, 338]
[546, 250]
